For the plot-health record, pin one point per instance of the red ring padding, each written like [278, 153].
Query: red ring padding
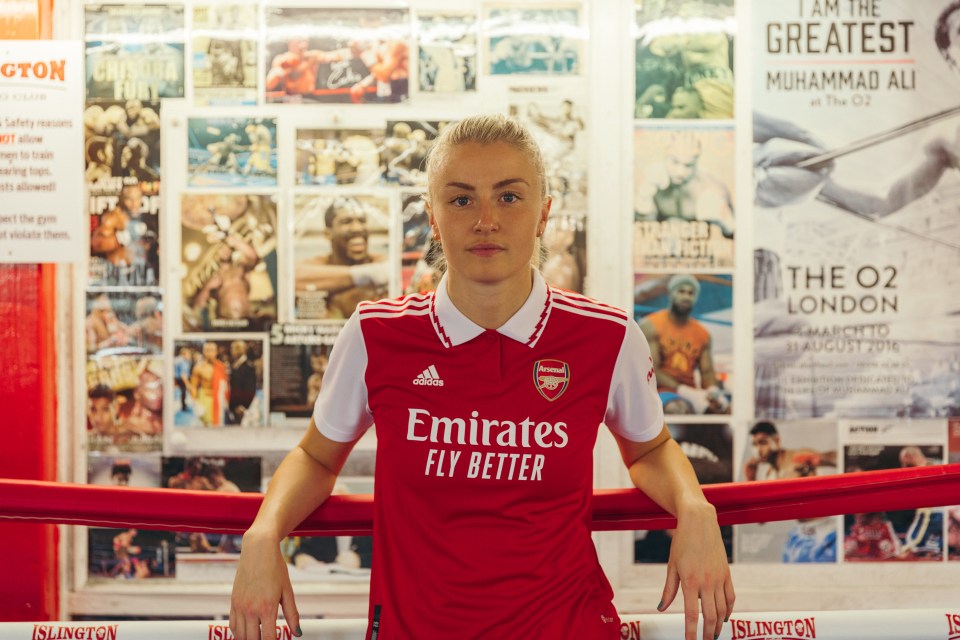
[618, 509]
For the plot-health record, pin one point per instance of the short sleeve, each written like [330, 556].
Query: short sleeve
[341, 412]
[634, 410]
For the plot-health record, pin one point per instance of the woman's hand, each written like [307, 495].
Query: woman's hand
[698, 566]
[261, 583]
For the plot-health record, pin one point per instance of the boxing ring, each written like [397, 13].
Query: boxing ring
[763, 501]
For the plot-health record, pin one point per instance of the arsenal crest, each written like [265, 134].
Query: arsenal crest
[551, 378]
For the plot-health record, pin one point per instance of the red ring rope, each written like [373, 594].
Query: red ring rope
[618, 509]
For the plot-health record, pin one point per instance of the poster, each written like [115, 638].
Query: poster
[855, 129]
[447, 51]
[556, 120]
[299, 355]
[232, 152]
[40, 172]
[130, 554]
[337, 55]
[687, 320]
[565, 242]
[404, 155]
[683, 213]
[134, 51]
[953, 513]
[229, 253]
[124, 322]
[341, 253]
[789, 449]
[224, 59]
[709, 448]
[533, 40]
[122, 140]
[684, 59]
[416, 273]
[219, 382]
[339, 156]
[129, 470]
[125, 403]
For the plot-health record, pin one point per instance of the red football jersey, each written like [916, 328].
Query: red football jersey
[484, 469]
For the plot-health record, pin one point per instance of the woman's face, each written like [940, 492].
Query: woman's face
[486, 206]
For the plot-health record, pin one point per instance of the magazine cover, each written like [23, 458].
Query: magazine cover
[687, 320]
[789, 449]
[219, 382]
[855, 231]
[299, 355]
[565, 240]
[684, 59]
[341, 253]
[337, 55]
[134, 51]
[683, 214]
[911, 535]
[229, 253]
[124, 233]
[224, 58]
[125, 403]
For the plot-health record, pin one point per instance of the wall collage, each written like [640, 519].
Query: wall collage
[223, 262]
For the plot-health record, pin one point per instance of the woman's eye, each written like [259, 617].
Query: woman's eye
[510, 197]
[461, 201]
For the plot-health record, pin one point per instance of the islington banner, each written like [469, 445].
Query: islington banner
[856, 112]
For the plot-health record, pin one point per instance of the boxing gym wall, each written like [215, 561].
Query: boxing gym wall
[793, 162]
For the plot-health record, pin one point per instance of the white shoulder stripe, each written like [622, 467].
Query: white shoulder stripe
[617, 319]
[396, 306]
[394, 314]
[588, 303]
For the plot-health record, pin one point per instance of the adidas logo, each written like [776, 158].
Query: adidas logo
[428, 378]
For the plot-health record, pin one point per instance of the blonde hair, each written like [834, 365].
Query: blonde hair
[483, 130]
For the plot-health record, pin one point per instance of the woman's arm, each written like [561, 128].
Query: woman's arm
[302, 482]
[698, 560]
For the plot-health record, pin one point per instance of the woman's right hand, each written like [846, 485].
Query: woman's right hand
[261, 583]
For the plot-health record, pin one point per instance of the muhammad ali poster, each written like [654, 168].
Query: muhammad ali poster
[856, 235]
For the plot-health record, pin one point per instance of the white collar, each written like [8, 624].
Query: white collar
[524, 326]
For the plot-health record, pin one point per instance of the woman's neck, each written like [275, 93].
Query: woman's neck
[489, 305]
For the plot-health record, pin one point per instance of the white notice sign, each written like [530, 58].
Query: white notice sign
[41, 151]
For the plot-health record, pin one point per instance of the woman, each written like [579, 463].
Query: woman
[484, 472]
